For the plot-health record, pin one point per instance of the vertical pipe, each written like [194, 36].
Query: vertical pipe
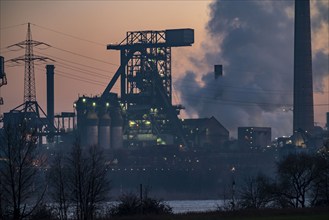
[123, 74]
[2, 66]
[141, 197]
[50, 94]
[116, 129]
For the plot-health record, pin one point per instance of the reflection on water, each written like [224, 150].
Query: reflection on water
[183, 206]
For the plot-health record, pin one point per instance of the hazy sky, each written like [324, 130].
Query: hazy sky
[102, 22]
[78, 32]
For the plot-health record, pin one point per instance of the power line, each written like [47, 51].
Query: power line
[243, 103]
[80, 64]
[82, 71]
[216, 87]
[74, 68]
[78, 77]
[75, 77]
[70, 35]
[74, 53]
[80, 55]
[12, 26]
[209, 99]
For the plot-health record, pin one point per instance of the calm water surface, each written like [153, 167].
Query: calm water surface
[183, 206]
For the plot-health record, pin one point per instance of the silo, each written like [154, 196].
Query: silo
[116, 129]
[91, 128]
[104, 131]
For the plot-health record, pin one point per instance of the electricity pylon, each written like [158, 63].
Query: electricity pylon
[30, 109]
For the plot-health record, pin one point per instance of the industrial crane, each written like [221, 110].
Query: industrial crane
[146, 85]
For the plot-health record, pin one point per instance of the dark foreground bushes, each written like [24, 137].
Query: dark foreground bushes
[130, 204]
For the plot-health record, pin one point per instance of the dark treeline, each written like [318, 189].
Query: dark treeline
[71, 183]
[302, 180]
[76, 181]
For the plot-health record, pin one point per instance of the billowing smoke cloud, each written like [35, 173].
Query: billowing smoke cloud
[255, 46]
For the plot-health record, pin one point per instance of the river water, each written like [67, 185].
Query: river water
[183, 206]
[178, 206]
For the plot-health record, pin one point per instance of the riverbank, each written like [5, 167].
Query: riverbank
[268, 214]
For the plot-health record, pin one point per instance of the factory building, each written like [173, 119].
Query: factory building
[254, 137]
[205, 132]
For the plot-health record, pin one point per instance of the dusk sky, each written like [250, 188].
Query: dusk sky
[78, 32]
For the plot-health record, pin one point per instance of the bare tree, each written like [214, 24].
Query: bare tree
[19, 169]
[320, 192]
[256, 192]
[297, 173]
[58, 185]
[88, 180]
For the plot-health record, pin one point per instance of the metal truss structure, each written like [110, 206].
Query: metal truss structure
[146, 84]
[30, 109]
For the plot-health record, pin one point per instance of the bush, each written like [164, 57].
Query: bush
[42, 212]
[130, 204]
[155, 206]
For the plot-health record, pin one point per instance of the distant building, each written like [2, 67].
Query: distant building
[203, 132]
[254, 137]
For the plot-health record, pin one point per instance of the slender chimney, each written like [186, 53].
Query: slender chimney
[50, 94]
[2, 66]
[303, 84]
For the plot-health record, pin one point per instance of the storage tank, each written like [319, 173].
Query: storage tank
[104, 131]
[116, 129]
[91, 128]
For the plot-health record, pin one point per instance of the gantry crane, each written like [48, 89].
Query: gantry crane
[146, 84]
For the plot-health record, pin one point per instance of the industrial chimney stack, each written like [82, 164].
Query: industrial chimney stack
[50, 94]
[303, 84]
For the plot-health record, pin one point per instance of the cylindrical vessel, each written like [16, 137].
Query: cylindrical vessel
[104, 131]
[116, 130]
[91, 129]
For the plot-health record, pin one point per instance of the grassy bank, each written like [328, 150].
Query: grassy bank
[282, 214]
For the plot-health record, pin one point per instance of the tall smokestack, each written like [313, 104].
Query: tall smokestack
[2, 66]
[50, 93]
[303, 84]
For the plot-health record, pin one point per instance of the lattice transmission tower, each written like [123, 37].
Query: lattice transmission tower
[28, 59]
[30, 108]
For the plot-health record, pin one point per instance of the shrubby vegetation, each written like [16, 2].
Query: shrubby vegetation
[302, 180]
[130, 204]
